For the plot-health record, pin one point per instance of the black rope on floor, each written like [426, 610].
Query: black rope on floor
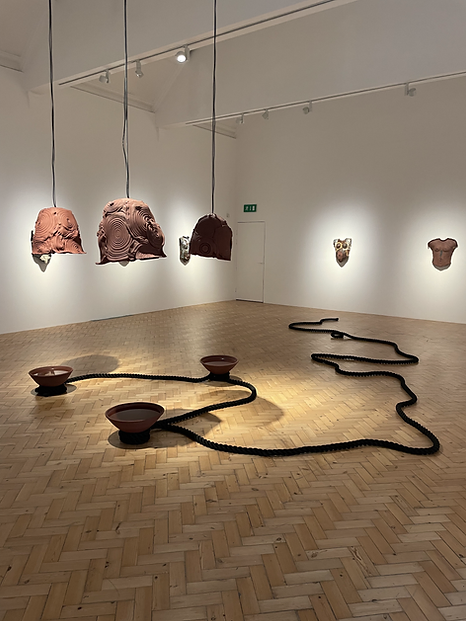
[171, 424]
[328, 358]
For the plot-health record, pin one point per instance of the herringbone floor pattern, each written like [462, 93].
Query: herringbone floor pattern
[92, 530]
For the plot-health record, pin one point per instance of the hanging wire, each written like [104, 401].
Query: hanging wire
[124, 141]
[214, 93]
[52, 99]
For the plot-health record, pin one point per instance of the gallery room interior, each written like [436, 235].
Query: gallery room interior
[337, 165]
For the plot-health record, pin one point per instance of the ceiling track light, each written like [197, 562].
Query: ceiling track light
[265, 115]
[240, 119]
[138, 69]
[105, 77]
[183, 55]
[410, 91]
[307, 108]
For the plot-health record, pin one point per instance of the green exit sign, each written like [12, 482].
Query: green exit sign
[250, 208]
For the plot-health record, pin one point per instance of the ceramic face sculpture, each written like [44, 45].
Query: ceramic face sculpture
[128, 231]
[56, 230]
[184, 250]
[442, 249]
[342, 249]
[211, 237]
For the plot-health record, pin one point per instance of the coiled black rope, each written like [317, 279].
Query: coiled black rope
[328, 358]
[172, 424]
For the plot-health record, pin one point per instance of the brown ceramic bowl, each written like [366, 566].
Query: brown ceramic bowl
[134, 417]
[219, 365]
[51, 376]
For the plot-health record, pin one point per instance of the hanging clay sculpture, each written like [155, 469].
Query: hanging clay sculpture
[56, 231]
[211, 237]
[128, 231]
[184, 250]
[342, 250]
[442, 249]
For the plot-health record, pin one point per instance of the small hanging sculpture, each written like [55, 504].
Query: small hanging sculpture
[56, 231]
[342, 250]
[184, 250]
[442, 249]
[128, 231]
[211, 237]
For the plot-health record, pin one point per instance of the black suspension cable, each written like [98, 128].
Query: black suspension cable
[172, 424]
[52, 100]
[124, 141]
[214, 96]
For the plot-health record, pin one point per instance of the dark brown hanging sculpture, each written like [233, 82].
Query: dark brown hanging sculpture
[56, 229]
[128, 230]
[212, 236]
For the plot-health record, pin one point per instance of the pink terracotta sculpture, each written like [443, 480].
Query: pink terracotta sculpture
[342, 250]
[56, 231]
[442, 250]
[128, 231]
[211, 237]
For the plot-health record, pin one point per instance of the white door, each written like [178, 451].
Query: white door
[250, 257]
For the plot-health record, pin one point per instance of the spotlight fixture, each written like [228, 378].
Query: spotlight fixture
[265, 115]
[105, 77]
[410, 91]
[307, 108]
[182, 56]
[240, 119]
[138, 69]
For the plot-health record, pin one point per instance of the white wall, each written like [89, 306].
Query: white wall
[384, 169]
[170, 172]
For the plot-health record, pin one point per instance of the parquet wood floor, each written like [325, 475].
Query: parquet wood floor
[93, 530]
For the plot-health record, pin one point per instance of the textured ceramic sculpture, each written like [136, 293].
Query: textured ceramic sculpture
[342, 250]
[184, 250]
[442, 249]
[211, 237]
[56, 231]
[128, 231]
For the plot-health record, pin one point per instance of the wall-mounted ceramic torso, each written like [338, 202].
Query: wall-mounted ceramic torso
[442, 250]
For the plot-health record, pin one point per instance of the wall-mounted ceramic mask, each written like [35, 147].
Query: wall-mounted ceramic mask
[184, 250]
[342, 250]
[211, 237]
[442, 249]
[128, 231]
[56, 231]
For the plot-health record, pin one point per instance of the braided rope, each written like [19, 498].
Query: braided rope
[171, 424]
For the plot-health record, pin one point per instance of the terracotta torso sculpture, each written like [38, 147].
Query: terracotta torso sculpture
[442, 249]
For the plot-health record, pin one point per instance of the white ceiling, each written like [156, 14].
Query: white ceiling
[422, 38]
[18, 21]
